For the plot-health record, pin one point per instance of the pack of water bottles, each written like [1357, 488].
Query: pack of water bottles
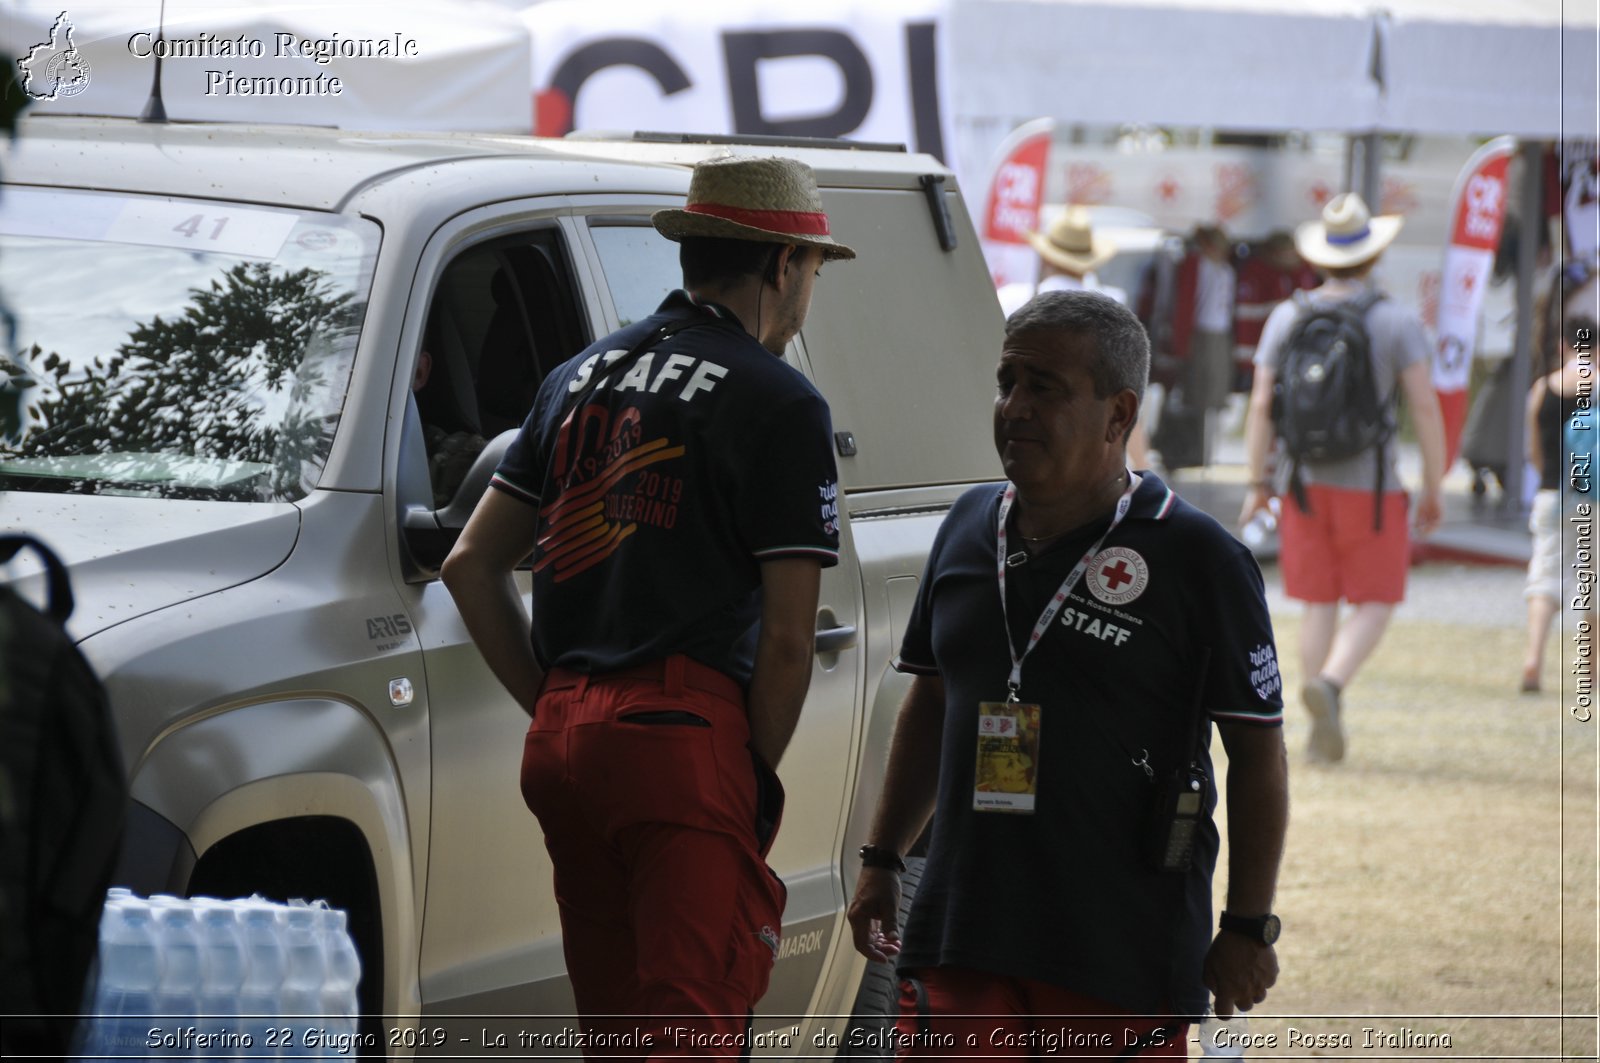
[204, 978]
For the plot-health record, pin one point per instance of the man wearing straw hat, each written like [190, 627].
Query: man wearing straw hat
[674, 483]
[1345, 545]
[1069, 253]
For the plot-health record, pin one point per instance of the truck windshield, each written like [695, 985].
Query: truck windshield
[174, 348]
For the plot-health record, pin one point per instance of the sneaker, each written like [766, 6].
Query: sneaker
[1321, 699]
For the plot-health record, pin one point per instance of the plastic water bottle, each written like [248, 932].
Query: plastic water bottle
[260, 1001]
[223, 963]
[178, 993]
[130, 972]
[340, 1007]
[1261, 525]
[305, 971]
[1223, 1038]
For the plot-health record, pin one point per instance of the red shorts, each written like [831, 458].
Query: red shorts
[1333, 552]
[657, 817]
[954, 1011]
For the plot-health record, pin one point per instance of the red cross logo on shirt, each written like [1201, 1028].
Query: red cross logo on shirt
[1120, 575]
[1117, 575]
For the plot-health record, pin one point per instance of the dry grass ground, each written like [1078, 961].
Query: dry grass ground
[1440, 883]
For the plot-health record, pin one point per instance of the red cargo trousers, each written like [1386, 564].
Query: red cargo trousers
[657, 817]
[962, 1013]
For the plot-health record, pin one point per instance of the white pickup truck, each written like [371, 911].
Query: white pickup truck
[217, 331]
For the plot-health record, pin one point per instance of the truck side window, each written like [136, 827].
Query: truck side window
[641, 266]
[503, 315]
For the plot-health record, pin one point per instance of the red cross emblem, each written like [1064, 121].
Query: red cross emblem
[1116, 575]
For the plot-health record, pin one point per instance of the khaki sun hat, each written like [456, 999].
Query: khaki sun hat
[1070, 242]
[767, 200]
[1347, 235]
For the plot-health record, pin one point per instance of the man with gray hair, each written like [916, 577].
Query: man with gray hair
[1078, 630]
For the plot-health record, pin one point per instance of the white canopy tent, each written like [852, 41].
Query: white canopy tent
[460, 65]
[1484, 67]
[1477, 67]
[1242, 64]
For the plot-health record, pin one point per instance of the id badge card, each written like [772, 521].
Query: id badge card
[1008, 757]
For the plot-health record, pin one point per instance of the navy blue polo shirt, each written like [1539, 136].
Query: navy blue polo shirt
[660, 499]
[1065, 895]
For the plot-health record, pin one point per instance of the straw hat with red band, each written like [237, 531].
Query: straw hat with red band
[765, 200]
[1347, 235]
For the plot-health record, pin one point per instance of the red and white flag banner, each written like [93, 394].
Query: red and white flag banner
[1011, 205]
[1477, 213]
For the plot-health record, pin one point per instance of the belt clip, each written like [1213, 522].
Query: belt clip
[1143, 761]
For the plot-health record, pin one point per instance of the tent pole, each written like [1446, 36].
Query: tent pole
[1363, 163]
[1528, 234]
[1371, 163]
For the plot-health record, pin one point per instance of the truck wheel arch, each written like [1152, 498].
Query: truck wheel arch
[308, 857]
[250, 811]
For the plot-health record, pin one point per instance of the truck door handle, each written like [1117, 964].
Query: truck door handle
[834, 639]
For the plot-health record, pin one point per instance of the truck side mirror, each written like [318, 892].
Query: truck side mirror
[430, 533]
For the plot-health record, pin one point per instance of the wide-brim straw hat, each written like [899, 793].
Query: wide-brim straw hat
[769, 200]
[1347, 234]
[1070, 243]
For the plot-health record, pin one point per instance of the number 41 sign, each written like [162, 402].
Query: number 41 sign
[222, 228]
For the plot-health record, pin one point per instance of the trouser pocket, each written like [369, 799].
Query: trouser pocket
[769, 803]
[666, 718]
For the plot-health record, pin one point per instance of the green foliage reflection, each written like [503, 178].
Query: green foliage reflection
[243, 374]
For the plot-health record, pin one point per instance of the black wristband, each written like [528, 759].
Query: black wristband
[881, 858]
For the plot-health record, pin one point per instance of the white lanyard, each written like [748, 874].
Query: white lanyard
[1014, 684]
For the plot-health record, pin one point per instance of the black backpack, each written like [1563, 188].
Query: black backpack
[1325, 401]
[63, 797]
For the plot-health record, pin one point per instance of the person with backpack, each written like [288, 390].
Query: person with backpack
[1331, 367]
